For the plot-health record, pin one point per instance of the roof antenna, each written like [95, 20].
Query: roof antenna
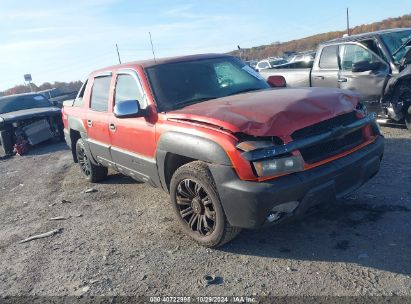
[152, 47]
[118, 54]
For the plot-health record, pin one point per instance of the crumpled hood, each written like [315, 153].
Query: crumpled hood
[277, 112]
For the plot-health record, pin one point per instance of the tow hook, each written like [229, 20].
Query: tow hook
[275, 216]
[280, 211]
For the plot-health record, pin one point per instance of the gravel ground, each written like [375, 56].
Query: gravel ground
[123, 240]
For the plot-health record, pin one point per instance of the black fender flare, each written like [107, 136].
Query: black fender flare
[188, 145]
[76, 124]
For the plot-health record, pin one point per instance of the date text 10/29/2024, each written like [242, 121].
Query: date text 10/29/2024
[205, 299]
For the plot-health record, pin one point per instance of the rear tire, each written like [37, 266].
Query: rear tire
[93, 173]
[197, 206]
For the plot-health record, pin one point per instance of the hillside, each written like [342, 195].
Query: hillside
[311, 42]
[72, 86]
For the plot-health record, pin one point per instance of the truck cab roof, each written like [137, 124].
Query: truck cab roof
[159, 61]
[364, 36]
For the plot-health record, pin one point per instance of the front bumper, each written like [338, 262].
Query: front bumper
[247, 204]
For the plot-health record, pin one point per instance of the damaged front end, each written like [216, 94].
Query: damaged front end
[18, 134]
[309, 145]
[27, 119]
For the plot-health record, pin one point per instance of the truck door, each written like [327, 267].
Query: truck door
[363, 71]
[325, 69]
[132, 139]
[98, 119]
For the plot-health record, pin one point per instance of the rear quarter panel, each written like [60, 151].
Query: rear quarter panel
[293, 77]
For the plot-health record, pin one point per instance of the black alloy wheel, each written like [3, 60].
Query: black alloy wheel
[195, 207]
[92, 172]
[83, 161]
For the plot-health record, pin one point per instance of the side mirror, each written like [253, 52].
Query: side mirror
[128, 109]
[364, 66]
[276, 81]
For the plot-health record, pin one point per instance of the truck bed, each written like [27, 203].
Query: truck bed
[293, 77]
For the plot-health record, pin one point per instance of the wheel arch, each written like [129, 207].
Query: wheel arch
[175, 149]
[77, 130]
[74, 137]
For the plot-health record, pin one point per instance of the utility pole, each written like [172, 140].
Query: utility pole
[348, 23]
[118, 54]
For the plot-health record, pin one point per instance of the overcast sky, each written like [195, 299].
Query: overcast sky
[65, 40]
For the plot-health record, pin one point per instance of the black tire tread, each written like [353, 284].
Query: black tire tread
[98, 173]
[200, 167]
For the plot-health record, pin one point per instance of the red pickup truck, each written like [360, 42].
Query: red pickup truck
[231, 151]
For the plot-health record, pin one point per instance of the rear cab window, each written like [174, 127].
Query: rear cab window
[100, 94]
[329, 59]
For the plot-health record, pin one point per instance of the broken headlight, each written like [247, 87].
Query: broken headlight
[277, 166]
[272, 166]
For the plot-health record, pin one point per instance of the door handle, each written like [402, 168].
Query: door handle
[112, 127]
[89, 122]
[319, 77]
[342, 79]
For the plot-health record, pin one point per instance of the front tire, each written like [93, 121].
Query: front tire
[93, 173]
[197, 206]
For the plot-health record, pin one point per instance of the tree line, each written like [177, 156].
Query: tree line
[277, 49]
[264, 51]
[66, 87]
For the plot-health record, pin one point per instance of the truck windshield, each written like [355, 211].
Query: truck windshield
[23, 102]
[179, 84]
[394, 41]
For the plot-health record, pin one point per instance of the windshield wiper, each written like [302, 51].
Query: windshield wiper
[244, 91]
[185, 103]
[402, 46]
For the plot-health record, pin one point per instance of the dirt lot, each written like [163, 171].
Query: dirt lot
[123, 240]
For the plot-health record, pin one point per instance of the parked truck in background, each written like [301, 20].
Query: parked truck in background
[232, 152]
[376, 65]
